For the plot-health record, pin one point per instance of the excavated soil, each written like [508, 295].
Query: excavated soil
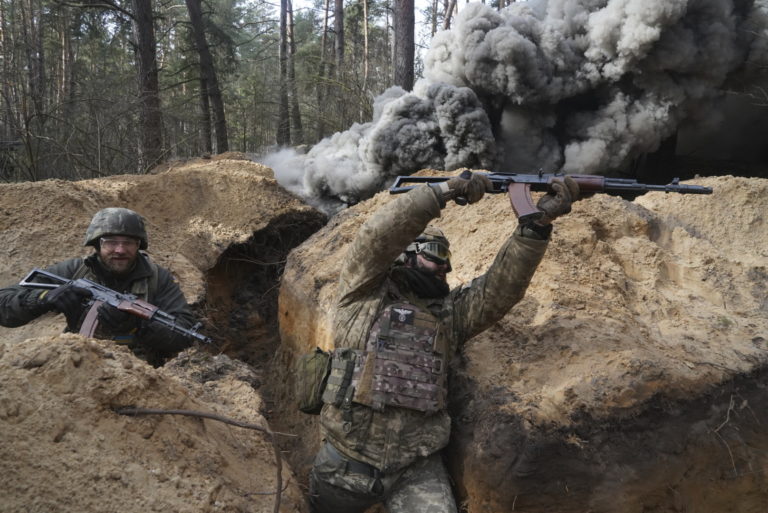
[630, 379]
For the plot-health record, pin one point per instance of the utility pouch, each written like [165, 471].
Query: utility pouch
[342, 367]
[312, 372]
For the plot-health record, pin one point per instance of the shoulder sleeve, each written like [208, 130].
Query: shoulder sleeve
[17, 304]
[489, 297]
[382, 238]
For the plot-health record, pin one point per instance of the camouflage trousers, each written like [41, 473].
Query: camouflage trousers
[337, 485]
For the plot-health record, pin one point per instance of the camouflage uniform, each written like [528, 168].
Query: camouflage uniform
[148, 281]
[384, 455]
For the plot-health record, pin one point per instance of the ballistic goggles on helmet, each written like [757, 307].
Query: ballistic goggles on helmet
[435, 251]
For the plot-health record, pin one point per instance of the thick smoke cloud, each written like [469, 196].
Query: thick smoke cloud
[437, 126]
[573, 85]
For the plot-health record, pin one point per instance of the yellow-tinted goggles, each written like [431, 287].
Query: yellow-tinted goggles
[435, 251]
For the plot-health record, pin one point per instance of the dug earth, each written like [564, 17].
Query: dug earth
[631, 378]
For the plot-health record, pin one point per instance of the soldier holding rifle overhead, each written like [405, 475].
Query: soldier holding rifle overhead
[397, 325]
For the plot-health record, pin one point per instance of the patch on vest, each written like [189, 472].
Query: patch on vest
[404, 315]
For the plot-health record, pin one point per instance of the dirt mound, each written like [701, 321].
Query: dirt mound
[64, 448]
[640, 314]
[194, 213]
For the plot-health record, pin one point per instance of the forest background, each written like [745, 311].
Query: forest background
[103, 87]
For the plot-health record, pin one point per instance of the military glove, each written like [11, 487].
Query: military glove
[558, 201]
[67, 299]
[468, 187]
[114, 320]
[33, 301]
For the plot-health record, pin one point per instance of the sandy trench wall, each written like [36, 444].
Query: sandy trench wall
[637, 309]
[64, 448]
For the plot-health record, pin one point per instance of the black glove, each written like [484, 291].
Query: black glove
[116, 321]
[558, 201]
[67, 299]
[468, 187]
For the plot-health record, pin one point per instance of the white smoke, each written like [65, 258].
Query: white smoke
[574, 85]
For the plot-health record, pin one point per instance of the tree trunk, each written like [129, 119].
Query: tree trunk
[389, 39]
[338, 28]
[35, 56]
[208, 72]
[365, 50]
[324, 73]
[283, 136]
[7, 133]
[404, 43]
[205, 118]
[297, 132]
[150, 116]
[434, 18]
[448, 13]
[65, 87]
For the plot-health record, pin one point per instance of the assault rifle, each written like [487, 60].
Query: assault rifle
[519, 187]
[123, 302]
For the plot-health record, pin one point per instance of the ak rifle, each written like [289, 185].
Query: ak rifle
[123, 302]
[519, 187]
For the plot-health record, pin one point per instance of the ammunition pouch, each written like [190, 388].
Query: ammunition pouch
[312, 372]
[340, 378]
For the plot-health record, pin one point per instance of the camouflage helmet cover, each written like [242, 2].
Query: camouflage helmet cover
[116, 221]
[430, 234]
[433, 233]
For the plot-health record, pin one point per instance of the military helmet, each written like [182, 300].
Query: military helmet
[116, 221]
[433, 234]
[433, 244]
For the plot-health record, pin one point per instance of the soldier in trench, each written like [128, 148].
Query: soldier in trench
[117, 236]
[397, 325]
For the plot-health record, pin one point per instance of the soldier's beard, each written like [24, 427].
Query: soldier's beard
[422, 282]
[119, 266]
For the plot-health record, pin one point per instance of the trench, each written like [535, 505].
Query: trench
[242, 289]
[241, 305]
[241, 313]
[704, 455]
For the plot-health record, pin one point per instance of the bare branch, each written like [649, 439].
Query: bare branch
[225, 420]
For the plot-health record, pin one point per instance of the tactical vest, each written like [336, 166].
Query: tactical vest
[402, 364]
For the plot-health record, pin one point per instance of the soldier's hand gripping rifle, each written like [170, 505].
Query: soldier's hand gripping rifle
[123, 302]
[519, 187]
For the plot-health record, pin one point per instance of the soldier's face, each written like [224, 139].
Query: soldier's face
[439, 270]
[118, 253]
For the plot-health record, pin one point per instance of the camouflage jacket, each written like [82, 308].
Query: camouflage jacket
[395, 437]
[151, 342]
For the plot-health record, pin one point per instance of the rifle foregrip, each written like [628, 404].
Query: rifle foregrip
[590, 184]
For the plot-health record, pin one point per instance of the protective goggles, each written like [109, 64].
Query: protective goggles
[435, 251]
[109, 243]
